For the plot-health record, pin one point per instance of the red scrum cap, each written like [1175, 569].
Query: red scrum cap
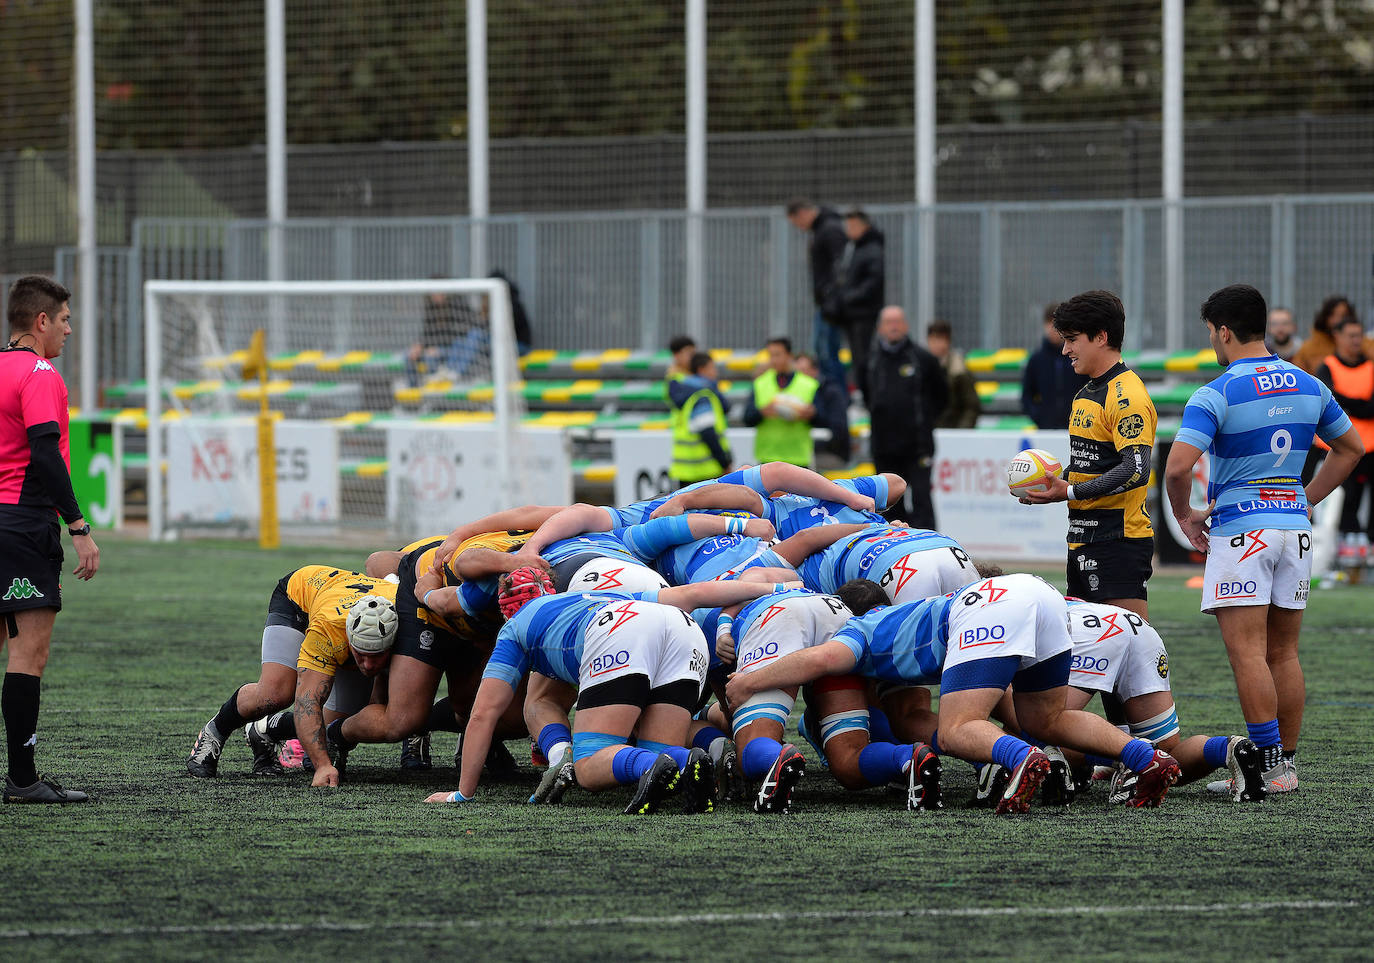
[521, 586]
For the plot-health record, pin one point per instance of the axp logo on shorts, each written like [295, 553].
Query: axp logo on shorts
[608, 663]
[1236, 590]
[1274, 382]
[982, 635]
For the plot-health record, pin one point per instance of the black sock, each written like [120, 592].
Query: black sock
[441, 717]
[1289, 754]
[19, 706]
[281, 726]
[228, 718]
[334, 735]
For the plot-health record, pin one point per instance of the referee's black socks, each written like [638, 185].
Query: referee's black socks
[19, 706]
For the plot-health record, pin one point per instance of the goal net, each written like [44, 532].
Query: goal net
[397, 408]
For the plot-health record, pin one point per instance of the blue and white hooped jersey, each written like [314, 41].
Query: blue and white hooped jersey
[709, 619]
[636, 544]
[721, 557]
[901, 643]
[868, 554]
[547, 635]
[1258, 421]
[638, 513]
[791, 514]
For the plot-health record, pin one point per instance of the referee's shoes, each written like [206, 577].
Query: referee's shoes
[45, 790]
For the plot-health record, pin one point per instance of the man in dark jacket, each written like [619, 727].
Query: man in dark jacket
[860, 279]
[827, 244]
[1049, 382]
[907, 393]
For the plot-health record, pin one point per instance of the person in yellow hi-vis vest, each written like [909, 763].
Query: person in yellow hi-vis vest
[781, 408]
[697, 411]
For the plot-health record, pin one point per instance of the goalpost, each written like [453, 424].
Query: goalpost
[368, 438]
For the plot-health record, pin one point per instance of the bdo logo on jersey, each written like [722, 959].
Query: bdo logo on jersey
[982, 635]
[1236, 590]
[1277, 382]
[1089, 665]
[761, 654]
[608, 662]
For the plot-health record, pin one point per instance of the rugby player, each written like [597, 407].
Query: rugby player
[639, 663]
[1257, 421]
[1006, 630]
[315, 628]
[1111, 435]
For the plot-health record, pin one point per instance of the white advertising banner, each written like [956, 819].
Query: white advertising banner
[642, 459]
[439, 475]
[972, 503]
[212, 471]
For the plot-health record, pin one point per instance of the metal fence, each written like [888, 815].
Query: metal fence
[615, 279]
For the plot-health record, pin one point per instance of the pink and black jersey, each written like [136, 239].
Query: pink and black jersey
[35, 457]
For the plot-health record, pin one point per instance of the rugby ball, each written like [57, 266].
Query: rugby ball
[1031, 470]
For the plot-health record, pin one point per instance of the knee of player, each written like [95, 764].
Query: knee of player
[844, 766]
[382, 564]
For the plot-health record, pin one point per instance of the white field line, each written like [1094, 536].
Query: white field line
[79, 932]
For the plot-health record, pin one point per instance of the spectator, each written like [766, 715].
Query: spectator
[781, 408]
[700, 449]
[681, 348]
[832, 414]
[1049, 381]
[964, 404]
[1319, 344]
[444, 336]
[860, 279]
[524, 335]
[907, 394]
[1349, 373]
[827, 244]
[1281, 334]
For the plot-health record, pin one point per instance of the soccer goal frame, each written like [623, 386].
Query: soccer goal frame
[504, 366]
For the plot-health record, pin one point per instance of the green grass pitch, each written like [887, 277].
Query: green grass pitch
[167, 867]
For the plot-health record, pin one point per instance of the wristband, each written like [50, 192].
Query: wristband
[426, 601]
[457, 795]
[779, 587]
[83, 530]
[734, 526]
[1069, 494]
[724, 624]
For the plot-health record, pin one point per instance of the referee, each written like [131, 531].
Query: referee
[35, 487]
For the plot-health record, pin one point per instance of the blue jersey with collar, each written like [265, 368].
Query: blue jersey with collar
[547, 636]
[1257, 421]
[723, 556]
[901, 643]
[791, 514]
[635, 544]
[868, 554]
[638, 512]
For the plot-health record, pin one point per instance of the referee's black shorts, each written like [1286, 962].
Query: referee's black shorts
[1114, 569]
[30, 559]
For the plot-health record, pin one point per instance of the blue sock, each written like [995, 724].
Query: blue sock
[758, 756]
[705, 736]
[879, 726]
[1027, 737]
[1265, 734]
[1009, 752]
[882, 762]
[679, 754]
[551, 735]
[631, 763]
[1214, 751]
[1137, 755]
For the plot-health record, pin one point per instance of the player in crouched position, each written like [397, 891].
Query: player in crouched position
[1008, 630]
[639, 662]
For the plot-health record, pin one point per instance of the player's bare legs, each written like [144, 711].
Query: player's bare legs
[1244, 631]
[1290, 688]
[411, 686]
[275, 689]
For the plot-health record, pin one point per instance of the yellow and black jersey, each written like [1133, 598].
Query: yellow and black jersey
[325, 595]
[479, 621]
[1111, 414]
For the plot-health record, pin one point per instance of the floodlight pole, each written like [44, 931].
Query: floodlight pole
[87, 296]
[479, 199]
[1172, 187]
[696, 170]
[924, 120]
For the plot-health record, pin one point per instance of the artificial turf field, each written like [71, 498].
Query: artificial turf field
[164, 866]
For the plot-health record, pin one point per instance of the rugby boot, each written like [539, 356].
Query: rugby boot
[415, 753]
[500, 764]
[656, 785]
[1281, 778]
[204, 761]
[338, 752]
[775, 796]
[699, 783]
[1058, 789]
[1024, 781]
[923, 779]
[556, 781]
[264, 749]
[1244, 759]
[729, 773]
[44, 790]
[1154, 780]
[1121, 785]
[992, 782]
